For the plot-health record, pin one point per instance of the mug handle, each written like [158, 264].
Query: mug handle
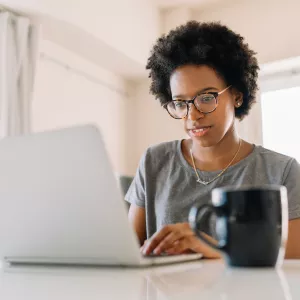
[197, 213]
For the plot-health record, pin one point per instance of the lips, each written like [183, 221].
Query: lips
[199, 131]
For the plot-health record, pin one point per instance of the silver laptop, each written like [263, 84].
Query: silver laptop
[60, 203]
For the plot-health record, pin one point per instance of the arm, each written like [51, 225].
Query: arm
[137, 198]
[137, 219]
[292, 183]
[293, 245]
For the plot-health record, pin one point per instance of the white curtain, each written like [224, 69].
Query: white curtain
[18, 56]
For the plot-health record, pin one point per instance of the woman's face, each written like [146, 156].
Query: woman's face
[205, 129]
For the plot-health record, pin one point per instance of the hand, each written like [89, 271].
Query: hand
[177, 239]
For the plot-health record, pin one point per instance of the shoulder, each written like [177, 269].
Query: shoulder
[163, 148]
[160, 154]
[273, 157]
[276, 161]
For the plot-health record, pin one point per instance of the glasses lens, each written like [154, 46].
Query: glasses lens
[206, 103]
[177, 109]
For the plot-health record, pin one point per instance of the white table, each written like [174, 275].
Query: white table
[203, 280]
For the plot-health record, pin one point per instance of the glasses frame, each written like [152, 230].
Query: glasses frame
[192, 101]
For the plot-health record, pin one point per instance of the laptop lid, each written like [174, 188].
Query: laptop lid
[60, 201]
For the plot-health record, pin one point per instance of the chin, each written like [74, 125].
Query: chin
[204, 141]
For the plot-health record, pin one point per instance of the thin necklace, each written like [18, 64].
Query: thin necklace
[220, 174]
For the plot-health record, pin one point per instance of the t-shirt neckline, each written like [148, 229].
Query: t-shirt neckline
[209, 174]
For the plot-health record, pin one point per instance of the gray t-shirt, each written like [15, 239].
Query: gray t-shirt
[165, 184]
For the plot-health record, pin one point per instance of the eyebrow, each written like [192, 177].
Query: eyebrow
[197, 93]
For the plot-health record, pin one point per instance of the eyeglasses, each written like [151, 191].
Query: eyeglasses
[205, 103]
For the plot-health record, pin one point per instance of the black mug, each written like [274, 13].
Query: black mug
[251, 224]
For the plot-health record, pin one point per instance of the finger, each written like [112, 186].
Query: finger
[171, 250]
[180, 230]
[180, 247]
[144, 243]
[168, 241]
[154, 241]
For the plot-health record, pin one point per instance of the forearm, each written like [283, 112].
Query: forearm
[137, 219]
[293, 243]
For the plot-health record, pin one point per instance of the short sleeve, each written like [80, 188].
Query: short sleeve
[136, 192]
[292, 183]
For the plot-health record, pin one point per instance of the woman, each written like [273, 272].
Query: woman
[206, 76]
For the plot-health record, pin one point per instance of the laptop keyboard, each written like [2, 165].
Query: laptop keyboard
[155, 255]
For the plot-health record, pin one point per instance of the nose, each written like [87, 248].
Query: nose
[194, 114]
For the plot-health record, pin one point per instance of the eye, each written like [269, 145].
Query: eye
[207, 98]
[179, 104]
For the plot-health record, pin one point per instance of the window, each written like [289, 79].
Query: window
[280, 118]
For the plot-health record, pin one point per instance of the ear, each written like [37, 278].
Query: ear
[237, 98]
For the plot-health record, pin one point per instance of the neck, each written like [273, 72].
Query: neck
[218, 156]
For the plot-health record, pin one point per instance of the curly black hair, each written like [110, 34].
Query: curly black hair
[209, 44]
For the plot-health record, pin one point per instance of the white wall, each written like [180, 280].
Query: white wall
[64, 98]
[250, 128]
[280, 138]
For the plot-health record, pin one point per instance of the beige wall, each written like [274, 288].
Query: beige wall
[271, 27]
[171, 18]
[130, 119]
[64, 98]
[127, 25]
[152, 123]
